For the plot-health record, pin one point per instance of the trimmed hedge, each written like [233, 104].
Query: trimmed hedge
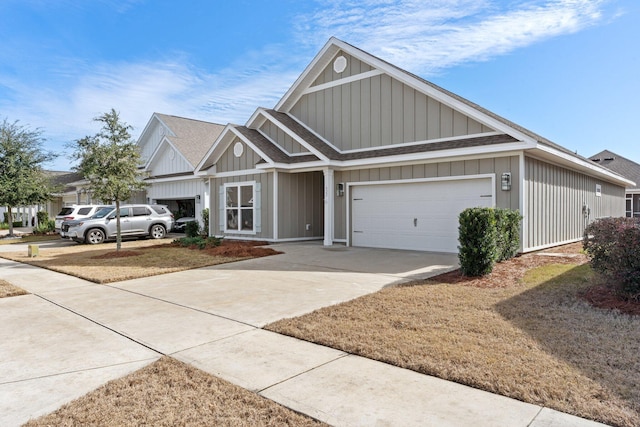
[487, 236]
[192, 229]
[613, 246]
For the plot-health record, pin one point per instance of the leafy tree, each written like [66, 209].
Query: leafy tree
[109, 161]
[22, 179]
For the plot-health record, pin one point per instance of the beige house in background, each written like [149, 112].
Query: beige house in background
[361, 152]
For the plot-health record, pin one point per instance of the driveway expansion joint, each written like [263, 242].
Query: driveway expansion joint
[304, 372]
[100, 324]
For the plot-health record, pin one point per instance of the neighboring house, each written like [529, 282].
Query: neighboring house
[361, 152]
[171, 147]
[68, 194]
[627, 168]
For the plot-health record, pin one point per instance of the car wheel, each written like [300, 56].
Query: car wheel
[95, 236]
[157, 231]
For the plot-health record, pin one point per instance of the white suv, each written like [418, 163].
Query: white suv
[69, 213]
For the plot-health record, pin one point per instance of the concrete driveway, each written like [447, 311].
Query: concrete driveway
[70, 336]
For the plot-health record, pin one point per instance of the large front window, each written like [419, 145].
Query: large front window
[239, 207]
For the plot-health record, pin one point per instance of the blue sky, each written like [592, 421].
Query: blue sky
[566, 69]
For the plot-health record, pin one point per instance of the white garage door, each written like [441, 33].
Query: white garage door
[417, 216]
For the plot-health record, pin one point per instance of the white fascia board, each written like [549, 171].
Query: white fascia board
[257, 118]
[436, 155]
[164, 124]
[343, 81]
[153, 155]
[296, 137]
[253, 147]
[163, 142]
[297, 167]
[321, 60]
[585, 165]
[320, 137]
[424, 142]
[632, 191]
[241, 172]
[172, 179]
[215, 147]
[513, 149]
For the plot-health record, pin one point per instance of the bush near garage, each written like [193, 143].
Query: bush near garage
[508, 233]
[612, 245]
[192, 229]
[487, 236]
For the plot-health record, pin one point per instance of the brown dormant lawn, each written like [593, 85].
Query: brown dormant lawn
[137, 258]
[523, 332]
[9, 290]
[171, 393]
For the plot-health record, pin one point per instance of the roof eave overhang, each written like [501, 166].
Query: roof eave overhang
[222, 143]
[507, 149]
[565, 159]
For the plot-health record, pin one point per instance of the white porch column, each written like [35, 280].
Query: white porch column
[328, 206]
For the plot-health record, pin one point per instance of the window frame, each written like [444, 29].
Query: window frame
[239, 208]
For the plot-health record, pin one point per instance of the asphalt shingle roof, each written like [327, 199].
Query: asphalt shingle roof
[193, 137]
[621, 165]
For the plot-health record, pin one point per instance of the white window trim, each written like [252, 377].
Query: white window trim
[253, 208]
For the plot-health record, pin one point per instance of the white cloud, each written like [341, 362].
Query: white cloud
[420, 36]
[426, 37]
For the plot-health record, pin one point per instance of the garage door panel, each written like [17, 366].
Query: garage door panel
[417, 216]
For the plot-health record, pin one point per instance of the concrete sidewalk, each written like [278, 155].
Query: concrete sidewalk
[75, 335]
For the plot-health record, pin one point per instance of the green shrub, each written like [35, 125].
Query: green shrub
[613, 246]
[205, 221]
[477, 235]
[508, 233]
[43, 217]
[44, 227]
[192, 229]
[199, 242]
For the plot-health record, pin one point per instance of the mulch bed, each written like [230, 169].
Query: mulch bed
[606, 297]
[116, 254]
[511, 271]
[228, 248]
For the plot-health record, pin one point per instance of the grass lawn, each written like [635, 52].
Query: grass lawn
[137, 258]
[9, 290]
[29, 239]
[171, 393]
[524, 332]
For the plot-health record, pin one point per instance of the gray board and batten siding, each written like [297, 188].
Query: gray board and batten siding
[554, 201]
[229, 162]
[265, 182]
[300, 202]
[380, 111]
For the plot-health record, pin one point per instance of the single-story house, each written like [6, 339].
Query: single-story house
[171, 147]
[628, 169]
[361, 152]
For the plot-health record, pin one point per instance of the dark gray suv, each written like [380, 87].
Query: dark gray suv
[135, 221]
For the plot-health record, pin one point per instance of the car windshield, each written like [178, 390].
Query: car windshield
[103, 212]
